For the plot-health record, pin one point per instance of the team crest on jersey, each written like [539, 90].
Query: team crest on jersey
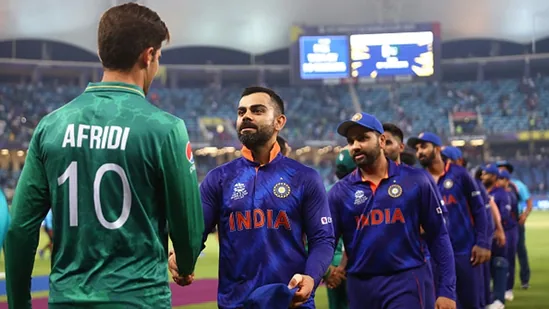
[189, 153]
[394, 191]
[448, 183]
[282, 190]
[360, 197]
[239, 191]
[356, 117]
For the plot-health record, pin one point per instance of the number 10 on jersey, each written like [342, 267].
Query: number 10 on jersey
[71, 174]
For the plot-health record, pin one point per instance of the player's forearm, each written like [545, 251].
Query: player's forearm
[186, 225]
[529, 206]
[443, 256]
[321, 252]
[481, 226]
[20, 250]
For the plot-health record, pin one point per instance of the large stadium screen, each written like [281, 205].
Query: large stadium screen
[392, 55]
[324, 57]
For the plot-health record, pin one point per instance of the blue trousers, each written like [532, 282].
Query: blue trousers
[522, 255]
[511, 236]
[499, 270]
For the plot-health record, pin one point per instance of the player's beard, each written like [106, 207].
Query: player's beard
[370, 156]
[256, 139]
[427, 160]
[392, 155]
[488, 182]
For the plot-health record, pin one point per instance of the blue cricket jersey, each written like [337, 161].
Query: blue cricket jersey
[4, 218]
[262, 213]
[524, 194]
[490, 224]
[513, 209]
[503, 200]
[466, 210]
[381, 225]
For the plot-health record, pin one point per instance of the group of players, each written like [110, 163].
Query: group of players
[413, 238]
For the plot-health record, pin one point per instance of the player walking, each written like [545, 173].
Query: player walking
[378, 209]
[263, 203]
[467, 216]
[114, 169]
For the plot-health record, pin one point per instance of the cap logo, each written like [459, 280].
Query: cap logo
[421, 135]
[356, 117]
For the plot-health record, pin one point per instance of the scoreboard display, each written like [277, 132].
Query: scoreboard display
[365, 54]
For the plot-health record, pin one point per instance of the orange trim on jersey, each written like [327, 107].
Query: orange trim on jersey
[247, 153]
[374, 186]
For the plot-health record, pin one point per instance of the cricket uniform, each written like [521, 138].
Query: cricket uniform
[4, 217]
[499, 264]
[512, 235]
[380, 226]
[522, 252]
[490, 228]
[262, 213]
[117, 173]
[468, 227]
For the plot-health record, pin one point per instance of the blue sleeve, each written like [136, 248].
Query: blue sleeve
[477, 209]
[4, 218]
[436, 235]
[49, 220]
[335, 207]
[209, 194]
[318, 228]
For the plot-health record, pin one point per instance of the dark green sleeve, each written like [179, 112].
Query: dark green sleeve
[182, 198]
[29, 208]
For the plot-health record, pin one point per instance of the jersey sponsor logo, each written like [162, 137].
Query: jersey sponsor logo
[439, 210]
[448, 183]
[258, 219]
[379, 217]
[189, 153]
[475, 193]
[239, 191]
[282, 190]
[394, 191]
[326, 220]
[360, 197]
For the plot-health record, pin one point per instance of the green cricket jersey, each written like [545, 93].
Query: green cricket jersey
[118, 173]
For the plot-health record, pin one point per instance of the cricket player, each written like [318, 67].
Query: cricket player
[511, 230]
[467, 216]
[4, 217]
[378, 209]
[394, 141]
[335, 277]
[499, 263]
[118, 174]
[525, 208]
[263, 203]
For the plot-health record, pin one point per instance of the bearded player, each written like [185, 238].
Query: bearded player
[263, 203]
[118, 174]
[394, 141]
[467, 218]
[378, 209]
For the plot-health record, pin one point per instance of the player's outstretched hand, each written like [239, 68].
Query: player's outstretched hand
[480, 255]
[174, 271]
[445, 303]
[499, 235]
[305, 285]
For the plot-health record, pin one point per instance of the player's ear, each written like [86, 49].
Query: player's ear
[147, 57]
[401, 146]
[280, 122]
[382, 140]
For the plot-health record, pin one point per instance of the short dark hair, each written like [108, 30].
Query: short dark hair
[282, 143]
[277, 100]
[393, 129]
[125, 31]
[408, 159]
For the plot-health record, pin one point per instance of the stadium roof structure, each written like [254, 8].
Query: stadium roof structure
[261, 26]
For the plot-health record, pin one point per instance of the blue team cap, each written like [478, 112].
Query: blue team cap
[504, 175]
[425, 137]
[276, 295]
[361, 119]
[491, 169]
[506, 164]
[452, 153]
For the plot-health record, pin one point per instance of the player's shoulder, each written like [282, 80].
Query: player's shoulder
[304, 171]
[226, 170]
[411, 173]
[459, 171]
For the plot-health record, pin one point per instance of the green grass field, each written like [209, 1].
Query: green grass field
[537, 297]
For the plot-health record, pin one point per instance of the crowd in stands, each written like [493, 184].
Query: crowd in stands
[313, 112]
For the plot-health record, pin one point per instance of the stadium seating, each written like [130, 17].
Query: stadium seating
[313, 112]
